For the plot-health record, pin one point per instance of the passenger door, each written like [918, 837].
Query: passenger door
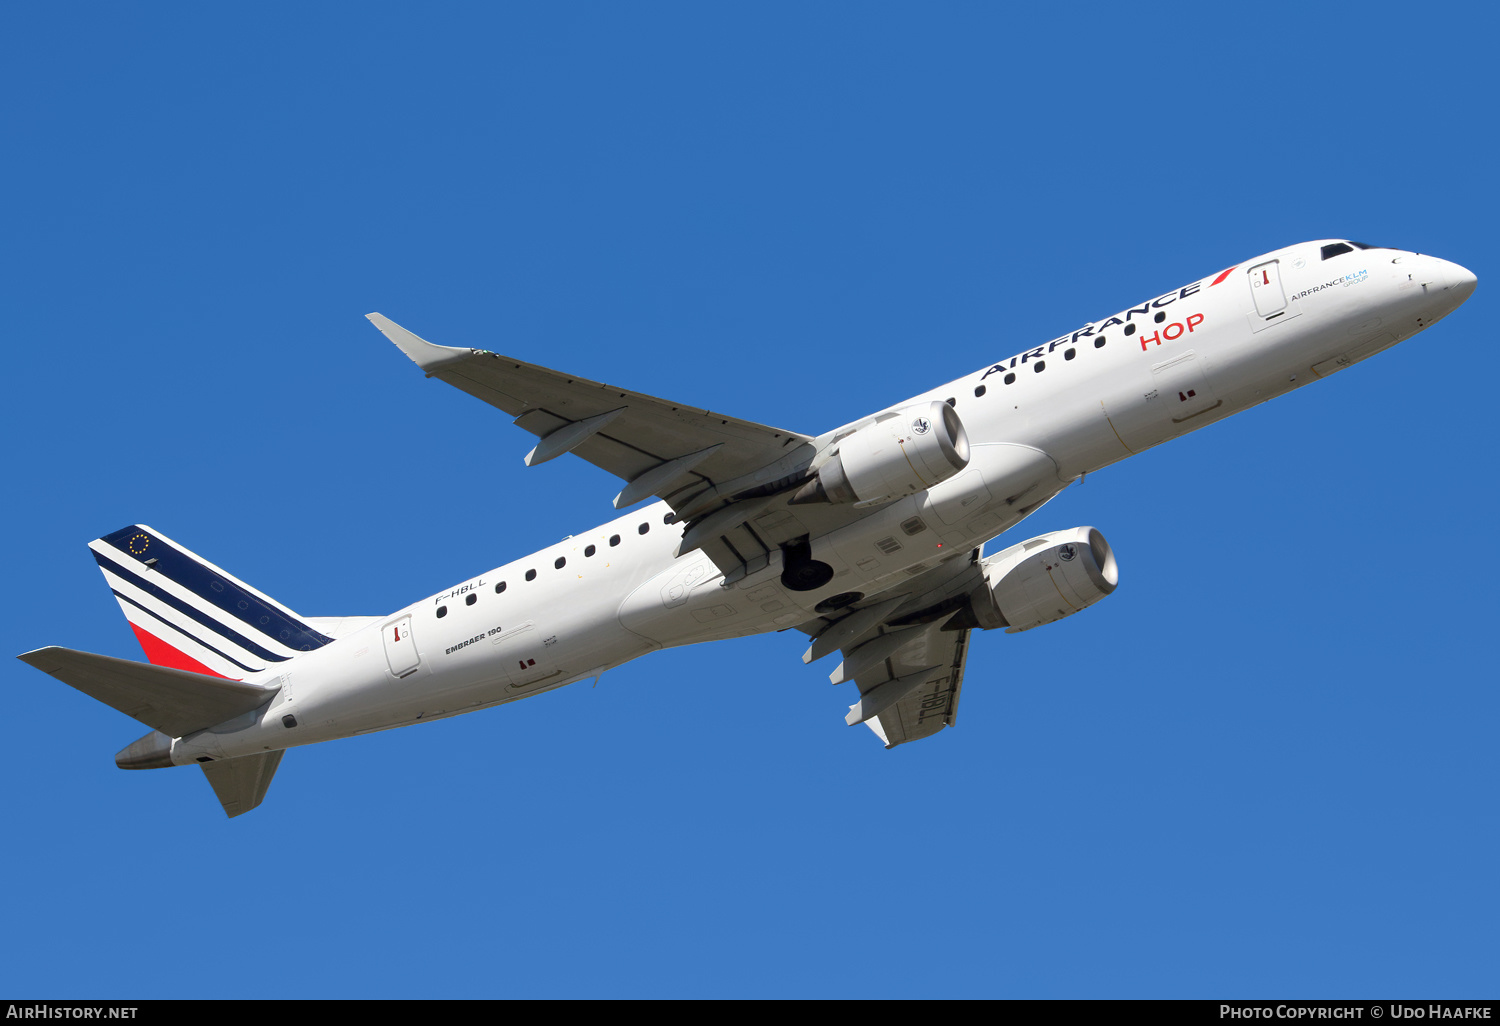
[1265, 287]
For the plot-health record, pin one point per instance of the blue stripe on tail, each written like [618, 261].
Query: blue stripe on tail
[202, 618]
[189, 634]
[161, 556]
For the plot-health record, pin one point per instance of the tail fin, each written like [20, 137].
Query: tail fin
[191, 615]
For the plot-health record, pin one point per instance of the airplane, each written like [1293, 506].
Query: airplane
[869, 538]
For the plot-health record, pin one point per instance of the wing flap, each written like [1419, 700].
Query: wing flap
[932, 704]
[909, 670]
[881, 697]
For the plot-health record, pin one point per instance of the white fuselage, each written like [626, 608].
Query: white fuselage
[1036, 421]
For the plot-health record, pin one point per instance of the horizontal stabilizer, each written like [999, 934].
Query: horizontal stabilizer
[241, 783]
[174, 702]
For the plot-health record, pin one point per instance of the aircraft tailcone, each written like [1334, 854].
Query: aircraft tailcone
[154, 751]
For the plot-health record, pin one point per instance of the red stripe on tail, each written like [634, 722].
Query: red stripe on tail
[162, 654]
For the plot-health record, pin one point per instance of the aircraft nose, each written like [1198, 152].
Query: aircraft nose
[1445, 285]
[1461, 281]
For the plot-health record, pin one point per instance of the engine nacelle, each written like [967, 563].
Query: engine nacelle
[897, 455]
[1042, 580]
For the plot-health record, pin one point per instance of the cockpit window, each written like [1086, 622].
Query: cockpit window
[1363, 245]
[1336, 248]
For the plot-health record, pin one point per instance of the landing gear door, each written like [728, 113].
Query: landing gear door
[400, 649]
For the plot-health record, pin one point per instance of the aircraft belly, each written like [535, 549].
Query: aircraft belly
[1074, 432]
[686, 603]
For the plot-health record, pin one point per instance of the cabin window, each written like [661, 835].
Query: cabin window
[1039, 366]
[1129, 330]
[1069, 354]
[1161, 315]
[670, 518]
[562, 561]
[643, 529]
[442, 612]
[951, 401]
[531, 575]
[614, 540]
[1337, 249]
[499, 587]
[471, 598]
[1010, 378]
[1099, 342]
[590, 551]
[978, 391]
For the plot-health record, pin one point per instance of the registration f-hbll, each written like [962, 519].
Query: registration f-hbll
[869, 538]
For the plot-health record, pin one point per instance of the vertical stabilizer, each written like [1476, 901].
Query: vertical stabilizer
[191, 615]
[241, 783]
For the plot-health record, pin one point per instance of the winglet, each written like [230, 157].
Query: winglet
[422, 352]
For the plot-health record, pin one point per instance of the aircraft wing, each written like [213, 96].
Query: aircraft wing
[926, 704]
[729, 482]
[660, 448]
[909, 670]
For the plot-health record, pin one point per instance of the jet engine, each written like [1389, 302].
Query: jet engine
[1040, 581]
[898, 454]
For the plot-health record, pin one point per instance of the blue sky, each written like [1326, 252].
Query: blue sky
[1266, 766]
